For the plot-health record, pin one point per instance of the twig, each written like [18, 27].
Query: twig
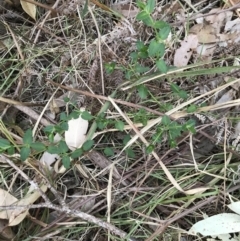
[31, 182]
[106, 98]
[63, 208]
[75, 214]
[207, 14]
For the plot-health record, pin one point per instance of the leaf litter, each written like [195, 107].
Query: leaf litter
[64, 47]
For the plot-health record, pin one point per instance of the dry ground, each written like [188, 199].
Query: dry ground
[118, 189]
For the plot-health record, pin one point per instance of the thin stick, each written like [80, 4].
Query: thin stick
[106, 98]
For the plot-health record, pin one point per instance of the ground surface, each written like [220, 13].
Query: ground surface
[156, 87]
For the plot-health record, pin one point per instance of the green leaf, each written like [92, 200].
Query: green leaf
[54, 150]
[157, 137]
[11, 150]
[63, 116]
[141, 69]
[140, 46]
[77, 153]
[86, 116]
[162, 66]
[160, 24]
[108, 151]
[175, 132]
[74, 115]
[88, 145]
[141, 4]
[24, 153]
[128, 74]
[110, 67]
[130, 153]
[66, 99]
[38, 146]
[85, 9]
[142, 15]
[119, 125]
[4, 144]
[63, 147]
[28, 138]
[142, 91]
[49, 129]
[146, 18]
[161, 50]
[143, 54]
[64, 126]
[166, 120]
[66, 161]
[51, 137]
[164, 32]
[153, 48]
[101, 124]
[150, 6]
[173, 143]
[191, 108]
[126, 139]
[183, 94]
[134, 56]
[175, 88]
[190, 126]
[150, 149]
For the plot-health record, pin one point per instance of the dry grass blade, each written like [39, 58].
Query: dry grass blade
[160, 105]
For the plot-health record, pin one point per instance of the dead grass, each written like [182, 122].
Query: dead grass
[156, 196]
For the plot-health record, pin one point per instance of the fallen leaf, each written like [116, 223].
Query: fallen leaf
[54, 108]
[235, 207]
[205, 51]
[229, 95]
[29, 8]
[205, 33]
[128, 10]
[184, 53]
[217, 21]
[17, 215]
[233, 25]
[6, 200]
[224, 223]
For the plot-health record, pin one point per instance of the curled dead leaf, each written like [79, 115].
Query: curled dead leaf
[29, 8]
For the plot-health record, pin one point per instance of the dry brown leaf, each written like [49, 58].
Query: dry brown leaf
[205, 33]
[184, 53]
[18, 215]
[54, 108]
[128, 10]
[15, 216]
[6, 199]
[29, 8]
[218, 20]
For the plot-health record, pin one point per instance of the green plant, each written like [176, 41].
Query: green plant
[172, 130]
[154, 51]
